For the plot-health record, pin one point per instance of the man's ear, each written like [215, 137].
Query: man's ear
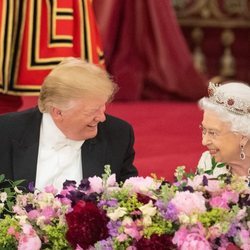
[56, 114]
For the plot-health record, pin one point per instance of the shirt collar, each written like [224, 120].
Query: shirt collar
[52, 136]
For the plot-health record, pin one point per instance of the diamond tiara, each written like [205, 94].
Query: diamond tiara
[231, 103]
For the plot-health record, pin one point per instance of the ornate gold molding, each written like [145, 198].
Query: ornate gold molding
[226, 15]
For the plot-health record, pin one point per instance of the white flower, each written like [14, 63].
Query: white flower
[148, 211]
[194, 219]
[143, 185]
[40, 221]
[3, 196]
[18, 191]
[184, 219]
[146, 221]
[127, 221]
[188, 219]
[22, 219]
[117, 213]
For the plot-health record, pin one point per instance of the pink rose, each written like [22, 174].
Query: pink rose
[180, 236]
[11, 231]
[215, 231]
[28, 239]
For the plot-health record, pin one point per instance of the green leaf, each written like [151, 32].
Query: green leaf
[210, 171]
[8, 191]
[10, 204]
[2, 177]
[18, 182]
[213, 162]
[221, 165]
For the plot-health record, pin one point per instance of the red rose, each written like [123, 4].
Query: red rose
[144, 198]
[86, 225]
[156, 242]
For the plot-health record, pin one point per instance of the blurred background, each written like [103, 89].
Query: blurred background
[161, 53]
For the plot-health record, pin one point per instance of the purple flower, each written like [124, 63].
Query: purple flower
[113, 227]
[28, 208]
[31, 186]
[204, 180]
[167, 210]
[105, 244]
[76, 195]
[108, 203]
[84, 185]
[68, 183]
[171, 213]
[232, 231]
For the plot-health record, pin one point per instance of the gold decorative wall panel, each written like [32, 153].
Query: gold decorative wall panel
[218, 33]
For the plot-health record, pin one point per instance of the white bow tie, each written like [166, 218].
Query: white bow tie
[70, 143]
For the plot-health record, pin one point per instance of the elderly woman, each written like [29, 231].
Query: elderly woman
[226, 128]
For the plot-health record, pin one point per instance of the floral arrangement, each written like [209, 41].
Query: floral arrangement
[194, 212]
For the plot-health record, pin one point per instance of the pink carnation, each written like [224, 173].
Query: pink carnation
[244, 236]
[122, 237]
[189, 203]
[33, 214]
[111, 181]
[218, 202]
[142, 185]
[132, 230]
[50, 189]
[213, 187]
[230, 196]
[95, 184]
[48, 214]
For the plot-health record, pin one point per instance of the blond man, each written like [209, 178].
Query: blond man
[69, 135]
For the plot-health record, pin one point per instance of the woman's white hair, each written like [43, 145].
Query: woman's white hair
[231, 101]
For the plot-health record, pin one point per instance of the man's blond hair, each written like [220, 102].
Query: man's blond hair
[74, 79]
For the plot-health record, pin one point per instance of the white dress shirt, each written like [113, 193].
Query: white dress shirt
[59, 158]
